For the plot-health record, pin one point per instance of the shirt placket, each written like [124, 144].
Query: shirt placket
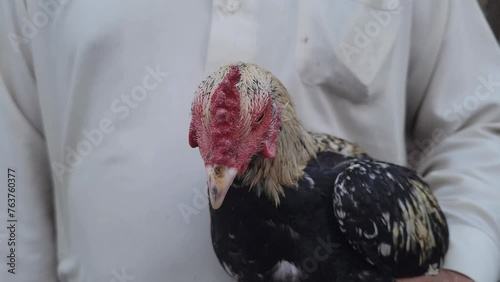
[233, 33]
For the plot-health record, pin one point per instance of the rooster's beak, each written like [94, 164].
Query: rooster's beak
[220, 178]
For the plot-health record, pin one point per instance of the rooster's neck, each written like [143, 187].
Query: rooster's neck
[295, 148]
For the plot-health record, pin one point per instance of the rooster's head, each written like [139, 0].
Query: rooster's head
[237, 116]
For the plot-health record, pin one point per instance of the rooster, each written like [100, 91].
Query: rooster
[291, 205]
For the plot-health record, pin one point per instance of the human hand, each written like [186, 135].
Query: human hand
[443, 276]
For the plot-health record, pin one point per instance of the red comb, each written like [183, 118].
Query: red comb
[227, 96]
[234, 75]
[225, 112]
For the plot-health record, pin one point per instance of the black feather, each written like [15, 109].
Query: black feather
[389, 215]
[253, 238]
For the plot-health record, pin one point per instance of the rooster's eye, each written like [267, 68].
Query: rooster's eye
[260, 118]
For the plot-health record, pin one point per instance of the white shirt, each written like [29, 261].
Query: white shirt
[94, 116]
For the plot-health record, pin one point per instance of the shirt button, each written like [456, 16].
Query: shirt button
[227, 6]
[232, 6]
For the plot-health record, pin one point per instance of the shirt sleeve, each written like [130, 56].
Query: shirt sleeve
[27, 240]
[454, 127]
